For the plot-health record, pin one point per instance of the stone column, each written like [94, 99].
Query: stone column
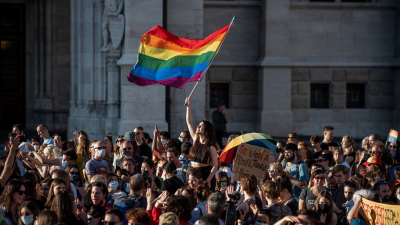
[113, 84]
[140, 106]
[274, 114]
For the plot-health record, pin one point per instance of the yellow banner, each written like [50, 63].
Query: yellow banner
[380, 214]
[250, 159]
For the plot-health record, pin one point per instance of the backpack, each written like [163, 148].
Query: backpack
[184, 171]
[126, 203]
[297, 167]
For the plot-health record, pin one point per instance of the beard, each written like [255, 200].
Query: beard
[386, 198]
[289, 158]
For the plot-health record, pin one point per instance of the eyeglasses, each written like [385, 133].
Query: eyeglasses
[392, 146]
[321, 160]
[21, 192]
[128, 148]
[73, 173]
[138, 133]
[118, 141]
[56, 140]
[109, 223]
[319, 178]
[271, 170]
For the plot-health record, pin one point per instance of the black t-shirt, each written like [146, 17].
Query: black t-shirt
[293, 205]
[172, 185]
[316, 154]
[340, 201]
[308, 196]
[352, 154]
[145, 150]
[325, 146]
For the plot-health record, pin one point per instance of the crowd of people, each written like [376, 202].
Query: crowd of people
[138, 178]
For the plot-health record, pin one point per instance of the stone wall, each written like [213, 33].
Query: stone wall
[375, 117]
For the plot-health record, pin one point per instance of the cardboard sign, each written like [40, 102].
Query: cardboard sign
[381, 214]
[392, 136]
[250, 159]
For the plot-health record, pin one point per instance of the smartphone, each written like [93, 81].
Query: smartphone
[223, 183]
[124, 172]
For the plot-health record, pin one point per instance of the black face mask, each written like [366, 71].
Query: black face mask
[278, 150]
[324, 208]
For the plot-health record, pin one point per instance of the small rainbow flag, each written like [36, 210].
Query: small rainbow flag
[392, 136]
[174, 61]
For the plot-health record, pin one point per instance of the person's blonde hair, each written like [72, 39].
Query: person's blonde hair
[278, 167]
[352, 147]
[169, 218]
[41, 149]
[52, 149]
[99, 178]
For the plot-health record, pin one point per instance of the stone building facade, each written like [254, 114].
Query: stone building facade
[285, 65]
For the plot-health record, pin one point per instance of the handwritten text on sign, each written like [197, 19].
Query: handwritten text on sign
[381, 214]
[250, 160]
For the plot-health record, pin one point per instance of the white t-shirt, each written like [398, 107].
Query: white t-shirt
[221, 222]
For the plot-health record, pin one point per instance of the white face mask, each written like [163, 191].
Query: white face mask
[101, 153]
[398, 197]
[36, 147]
[164, 142]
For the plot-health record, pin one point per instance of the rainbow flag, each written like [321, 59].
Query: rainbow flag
[392, 136]
[174, 61]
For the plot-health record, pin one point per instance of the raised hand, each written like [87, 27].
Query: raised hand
[187, 102]
[229, 191]
[254, 208]
[30, 147]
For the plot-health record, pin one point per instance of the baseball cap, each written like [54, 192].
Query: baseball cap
[373, 160]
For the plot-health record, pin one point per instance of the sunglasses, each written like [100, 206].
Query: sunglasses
[118, 141]
[319, 178]
[73, 173]
[392, 146]
[56, 140]
[271, 170]
[373, 153]
[138, 133]
[129, 148]
[21, 192]
[321, 160]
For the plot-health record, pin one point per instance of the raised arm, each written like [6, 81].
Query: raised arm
[154, 145]
[42, 160]
[189, 119]
[8, 166]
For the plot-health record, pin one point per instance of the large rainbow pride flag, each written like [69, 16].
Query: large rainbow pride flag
[174, 61]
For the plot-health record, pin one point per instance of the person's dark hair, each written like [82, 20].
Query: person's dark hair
[210, 140]
[109, 137]
[165, 134]
[283, 143]
[20, 127]
[149, 162]
[70, 167]
[30, 177]
[178, 205]
[196, 172]
[327, 195]
[63, 138]
[249, 183]
[327, 155]
[285, 184]
[202, 191]
[35, 138]
[71, 145]
[110, 175]
[138, 216]
[136, 182]
[339, 168]
[310, 214]
[393, 195]
[147, 136]
[30, 189]
[315, 139]
[170, 167]
[209, 219]
[185, 148]
[377, 185]
[63, 207]
[173, 150]
[102, 187]
[397, 173]
[328, 128]
[375, 137]
[38, 202]
[116, 212]
[115, 149]
[309, 162]
[32, 206]
[71, 154]
[175, 143]
[187, 134]
[216, 202]
[47, 218]
[96, 211]
[6, 196]
[271, 189]
[291, 146]
[129, 159]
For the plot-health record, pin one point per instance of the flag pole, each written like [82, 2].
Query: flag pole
[208, 66]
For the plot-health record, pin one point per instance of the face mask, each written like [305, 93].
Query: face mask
[398, 196]
[180, 139]
[74, 177]
[324, 208]
[278, 150]
[164, 142]
[113, 185]
[36, 147]
[101, 153]
[64, 164]
[27, 219]
[258, 223]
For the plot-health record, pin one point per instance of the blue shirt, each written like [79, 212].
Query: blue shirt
[302, 175]
[48, 141]
[198, 212]
[184, 160]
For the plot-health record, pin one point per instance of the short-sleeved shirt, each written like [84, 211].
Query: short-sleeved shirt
[48, 141]
[293, 205]
[316, 154]
[325, 146]
[95, 166]
[308, 196]
[302, 175]
[278, 211]
[145, 150]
